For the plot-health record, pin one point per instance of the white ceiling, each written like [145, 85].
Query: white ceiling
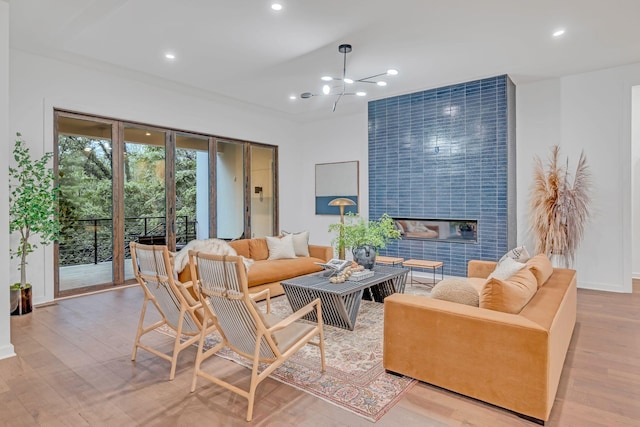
[242, 49]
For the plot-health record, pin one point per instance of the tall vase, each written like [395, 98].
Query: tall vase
[20, 301]
[365, 255]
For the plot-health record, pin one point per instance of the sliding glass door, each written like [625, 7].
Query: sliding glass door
[84, 168]
[230, 186]
[192, 189]
[262, 191]
[122, 182]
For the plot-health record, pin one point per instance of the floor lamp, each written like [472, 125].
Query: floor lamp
[341, 202]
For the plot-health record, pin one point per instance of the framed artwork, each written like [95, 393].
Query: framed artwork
[335, 180]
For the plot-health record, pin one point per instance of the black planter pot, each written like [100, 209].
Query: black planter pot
[365, 255]
[20, 301]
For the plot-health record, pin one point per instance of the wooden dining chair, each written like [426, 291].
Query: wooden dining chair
[175, 301]
[257, 336]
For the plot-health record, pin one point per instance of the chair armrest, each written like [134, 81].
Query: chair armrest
[299, 314]
[481, 269]
[266, 293]
[324, 253]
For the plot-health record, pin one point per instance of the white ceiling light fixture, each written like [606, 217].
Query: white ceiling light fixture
[559, 32]
[170, 56]
[341, 90]
[276, 6]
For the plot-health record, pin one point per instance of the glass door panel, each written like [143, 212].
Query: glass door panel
[84, 163]
[261, 191]
[144, 189]
[192, 188]
[230, 190]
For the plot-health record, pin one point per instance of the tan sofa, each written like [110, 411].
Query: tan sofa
[265, 273]
[510, 360]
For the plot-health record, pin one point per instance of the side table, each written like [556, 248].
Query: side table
[419, 263]
[388, 260]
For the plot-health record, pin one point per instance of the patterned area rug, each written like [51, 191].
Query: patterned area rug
[355, 378]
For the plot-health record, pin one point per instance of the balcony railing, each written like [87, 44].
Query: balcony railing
[90, 241]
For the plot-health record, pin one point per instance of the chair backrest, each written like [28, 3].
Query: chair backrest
[223, 279]
[154, 272]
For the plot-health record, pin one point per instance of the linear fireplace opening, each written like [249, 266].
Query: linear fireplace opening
[447, 230]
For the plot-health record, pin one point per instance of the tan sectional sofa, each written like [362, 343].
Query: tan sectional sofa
[265, 273]
[510, 360]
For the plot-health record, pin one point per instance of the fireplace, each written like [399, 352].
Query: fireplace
[442, 230]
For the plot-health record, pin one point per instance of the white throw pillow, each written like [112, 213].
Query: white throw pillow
[519, 254]
[281, 248]
[300, 242]
[506, 268]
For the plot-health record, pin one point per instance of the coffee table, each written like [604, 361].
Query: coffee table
[341, 301]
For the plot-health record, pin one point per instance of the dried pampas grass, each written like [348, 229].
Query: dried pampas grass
[559, 209]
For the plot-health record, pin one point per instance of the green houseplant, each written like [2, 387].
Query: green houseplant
[364, 237]
[32, 213]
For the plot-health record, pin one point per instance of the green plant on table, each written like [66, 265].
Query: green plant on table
[357, 231]
[33, 197]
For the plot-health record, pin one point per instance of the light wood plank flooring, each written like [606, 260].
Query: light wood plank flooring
[73, 369]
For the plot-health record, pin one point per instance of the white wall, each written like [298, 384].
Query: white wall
[338, 139]
[590, 112]
[635, 181]
[38, 84]
[6, 349]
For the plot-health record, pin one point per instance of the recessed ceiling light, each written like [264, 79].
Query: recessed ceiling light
[348, 81]
[169, 56]
[361, 93]
[276, 6]
[326, 78]
[293, 97]
[381, 83]
[392, 72]
[326, 89]
[558, 32]
[147, 133]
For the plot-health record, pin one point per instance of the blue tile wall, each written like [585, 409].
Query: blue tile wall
[442, 154]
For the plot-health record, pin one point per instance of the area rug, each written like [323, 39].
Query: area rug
[355, 378]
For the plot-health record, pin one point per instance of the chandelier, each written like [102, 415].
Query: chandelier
[341, 89]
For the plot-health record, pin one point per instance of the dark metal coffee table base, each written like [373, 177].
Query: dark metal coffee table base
[341, 301]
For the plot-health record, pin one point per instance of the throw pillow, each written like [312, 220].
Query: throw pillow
[519, 254]
[281, 248]
[456, 290]
[209, 246]
[507, 268]
[541, 267]
[511, 295]
[300, 242]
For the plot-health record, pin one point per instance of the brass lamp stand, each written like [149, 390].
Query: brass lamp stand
[341, 202]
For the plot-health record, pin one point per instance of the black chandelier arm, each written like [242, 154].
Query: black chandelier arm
[365, 79]
[345, 49]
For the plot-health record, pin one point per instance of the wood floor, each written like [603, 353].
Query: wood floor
[73, 369]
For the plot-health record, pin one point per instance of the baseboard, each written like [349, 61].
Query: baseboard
[7, 351]
[597, 286]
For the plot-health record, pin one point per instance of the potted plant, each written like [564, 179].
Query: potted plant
[559, 206]
[32, 208]
[364, 237]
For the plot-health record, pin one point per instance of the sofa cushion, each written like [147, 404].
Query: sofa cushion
[506, 268]
[519, 254]
[456, 290]
[477, 283]
[510, 295]
[267, 271]
[300, 242]
[258, 249]
[241, 246]
[281, 247]
[541, 267]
